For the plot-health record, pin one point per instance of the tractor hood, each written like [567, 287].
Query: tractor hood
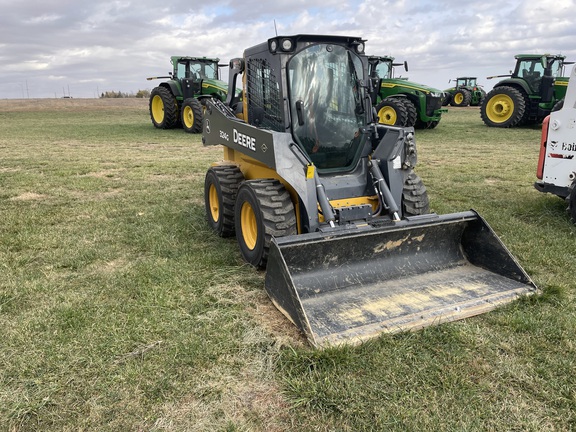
[396, 82]
[215, 85]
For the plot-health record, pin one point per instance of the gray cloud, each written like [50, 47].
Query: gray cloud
[50, 46]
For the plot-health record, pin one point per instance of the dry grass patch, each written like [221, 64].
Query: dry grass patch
[29, 196]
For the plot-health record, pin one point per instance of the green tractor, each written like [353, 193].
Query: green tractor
[466, 92]
[528, 94]
[179, 101]
[401, 102]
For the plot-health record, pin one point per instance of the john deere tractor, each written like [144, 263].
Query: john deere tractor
[528, 94]
[466, 92]
[401, 102]
[179, 101]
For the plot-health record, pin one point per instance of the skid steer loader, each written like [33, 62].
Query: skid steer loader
[325, 197]
[557, 160]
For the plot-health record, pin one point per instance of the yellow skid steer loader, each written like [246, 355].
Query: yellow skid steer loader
[326, 198]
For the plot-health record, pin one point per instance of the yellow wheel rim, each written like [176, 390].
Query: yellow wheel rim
[458, 98]
[158, 109]
[387, 115]
[188, 117]
[249, 226]
[213, 203]
[500, 108]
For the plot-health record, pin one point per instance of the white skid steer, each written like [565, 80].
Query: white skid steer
[556, 169]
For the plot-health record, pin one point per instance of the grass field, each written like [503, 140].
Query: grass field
[121, 310]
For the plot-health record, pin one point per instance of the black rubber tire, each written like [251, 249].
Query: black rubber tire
[447, 99]
[263, 209]
[503, 107]
[414, 195]
[461, 98]
[191, 115]
[220, 188]
[411, 111]
[163, 108]
[391, 111]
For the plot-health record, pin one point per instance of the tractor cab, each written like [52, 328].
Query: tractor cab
[195, 67]
[539, 72]
[190, 72]
[466, 82]
[383, 67]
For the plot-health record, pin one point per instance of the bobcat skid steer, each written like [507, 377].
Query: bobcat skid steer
[326, 198]
[557, 161]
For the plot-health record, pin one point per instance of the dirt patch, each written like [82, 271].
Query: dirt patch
[492, 181]
[28, 196]
[272, 320]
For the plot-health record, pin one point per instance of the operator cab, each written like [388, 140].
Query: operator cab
[534, 69]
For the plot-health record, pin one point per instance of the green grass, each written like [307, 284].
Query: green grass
[120, 310]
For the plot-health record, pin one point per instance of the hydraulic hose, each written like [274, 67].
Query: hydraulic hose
[383, 190]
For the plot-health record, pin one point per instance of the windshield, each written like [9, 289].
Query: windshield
[531, 70]
[197, 70]
[556, 68]
[384, 70]
[326, 105]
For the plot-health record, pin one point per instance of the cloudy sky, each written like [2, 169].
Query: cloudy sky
[52, 48]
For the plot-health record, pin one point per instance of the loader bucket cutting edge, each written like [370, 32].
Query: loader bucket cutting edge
[350, 285]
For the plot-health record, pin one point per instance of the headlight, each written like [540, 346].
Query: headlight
[287, 45]
[273, 46]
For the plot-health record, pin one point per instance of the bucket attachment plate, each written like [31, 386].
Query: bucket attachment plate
[350, 285]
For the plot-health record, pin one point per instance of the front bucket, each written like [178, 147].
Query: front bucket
[349, 285]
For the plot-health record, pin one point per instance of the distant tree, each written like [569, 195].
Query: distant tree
[119, 94]
[144, 94]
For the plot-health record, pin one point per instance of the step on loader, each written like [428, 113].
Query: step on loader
[327, 199]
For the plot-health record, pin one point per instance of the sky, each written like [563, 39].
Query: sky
[56, 48]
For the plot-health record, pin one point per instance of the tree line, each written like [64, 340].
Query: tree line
[119, 94]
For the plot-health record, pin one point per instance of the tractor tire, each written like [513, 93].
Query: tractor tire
[263, 209]
[461, 98]
[503, 107]
[447, 99]
[411, 111]
[391, 111]
[414, 195]
[163, 108]
[220, 188]
[192, 111]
